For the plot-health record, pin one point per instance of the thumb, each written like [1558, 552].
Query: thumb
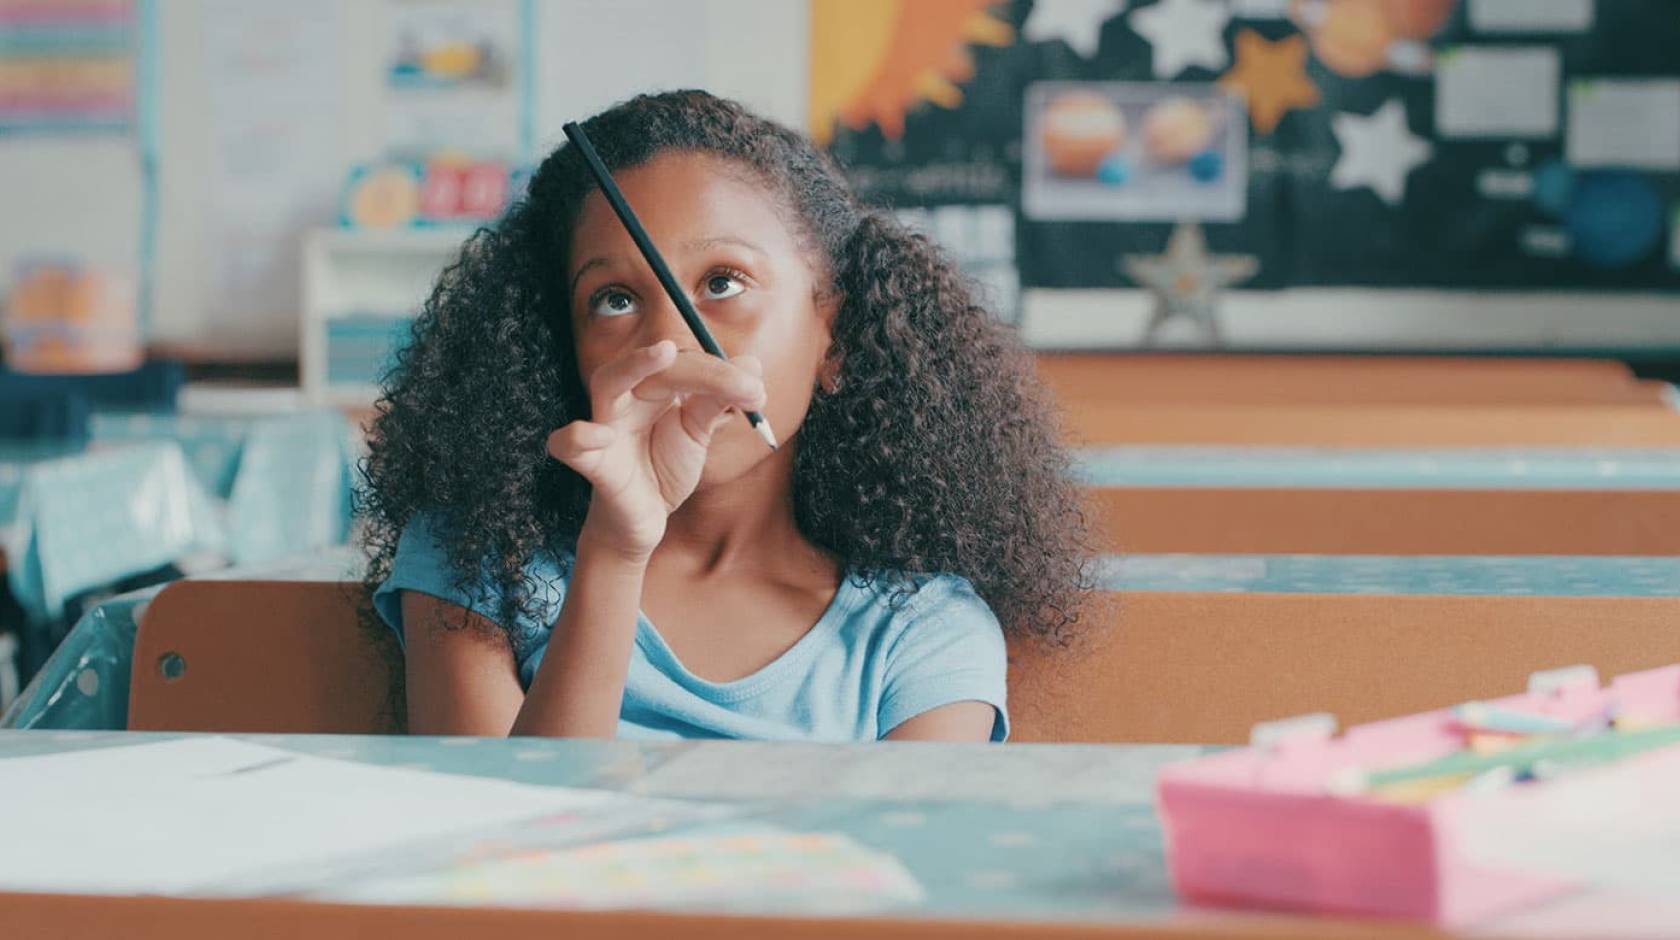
[749, 364]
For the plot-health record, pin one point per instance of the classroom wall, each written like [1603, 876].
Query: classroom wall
[592, 52]
[81, 195]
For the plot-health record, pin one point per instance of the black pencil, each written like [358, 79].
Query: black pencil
[615, 198]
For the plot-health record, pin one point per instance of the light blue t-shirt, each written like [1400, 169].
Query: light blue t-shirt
[861, 671]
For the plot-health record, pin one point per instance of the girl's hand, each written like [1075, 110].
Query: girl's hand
[654, 413]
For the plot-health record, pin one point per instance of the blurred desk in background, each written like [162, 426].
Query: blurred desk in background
[1386, 501]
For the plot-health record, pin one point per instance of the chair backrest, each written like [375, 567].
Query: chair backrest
[294, 657]
[263, 656]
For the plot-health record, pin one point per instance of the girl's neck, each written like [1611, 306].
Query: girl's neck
[744, 526]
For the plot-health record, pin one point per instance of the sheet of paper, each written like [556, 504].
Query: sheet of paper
[1497, 91]
[1531, 16]
[1260, 9]
[1615, 828]
[275, 101]
[581, 65]
[1674, 236]
[1625, 122]
[761, 867]
[184, 816]
[477, 113]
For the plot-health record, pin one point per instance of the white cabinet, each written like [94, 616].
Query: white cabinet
[361, 290]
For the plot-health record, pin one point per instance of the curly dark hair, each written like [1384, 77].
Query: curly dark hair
[937, 452]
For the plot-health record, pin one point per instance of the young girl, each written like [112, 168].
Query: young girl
[575, 532]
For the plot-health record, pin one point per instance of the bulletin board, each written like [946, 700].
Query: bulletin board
[1455, 144]
[77, 89]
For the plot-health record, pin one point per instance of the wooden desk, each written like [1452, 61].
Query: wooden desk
[1014, 841]
[1094, 423]
[1079, 378]
[1400, 501]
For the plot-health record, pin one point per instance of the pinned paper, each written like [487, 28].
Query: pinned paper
[1674, 236]
[1378, 151]
[1078, 23]
[1531, 16]
[1498, 183]
[1625, 122]
[1503, 91]
[1183, 33]
[1273, 75]
[1544, 241]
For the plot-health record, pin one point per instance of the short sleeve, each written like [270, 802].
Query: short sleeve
[952, 650]
[421, 564]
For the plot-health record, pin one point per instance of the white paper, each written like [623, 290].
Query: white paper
[1544, 241]
[1503, 91]
[276, 157]
[478, 118]
[1623, 122]
[1531, 16]
[1076, 22]
[1260, 9]
[1615, 827]
[1674, 237]
[593, 53]
[183, 816]
[1500, 183]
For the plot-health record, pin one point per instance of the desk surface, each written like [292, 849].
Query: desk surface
[1430, 468]
[1021, 833]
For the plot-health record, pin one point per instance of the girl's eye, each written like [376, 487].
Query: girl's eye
[614, 303]
[723, 286]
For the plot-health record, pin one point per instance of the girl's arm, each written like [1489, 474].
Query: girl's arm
[653, 411]
[466, 682]
[579, 687]
[958, 721]
[460, 682]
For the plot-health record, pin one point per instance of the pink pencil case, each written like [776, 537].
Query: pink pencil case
[1259, 827]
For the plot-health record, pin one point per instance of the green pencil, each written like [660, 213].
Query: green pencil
[1598, 749]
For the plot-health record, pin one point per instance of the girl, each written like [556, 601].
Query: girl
[574, 531]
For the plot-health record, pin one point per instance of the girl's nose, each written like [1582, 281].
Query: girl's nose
[664, 322]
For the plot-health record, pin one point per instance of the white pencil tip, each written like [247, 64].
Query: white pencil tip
[763, 428]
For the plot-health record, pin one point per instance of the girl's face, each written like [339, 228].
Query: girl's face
[745, 271]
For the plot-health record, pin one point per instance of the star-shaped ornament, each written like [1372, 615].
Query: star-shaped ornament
[1379, 151]
[1183, 33]
[1273, 75]
[1187, 281]
[1078, 23]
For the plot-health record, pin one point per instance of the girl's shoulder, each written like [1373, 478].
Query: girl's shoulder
[422, 563]
[931, 610]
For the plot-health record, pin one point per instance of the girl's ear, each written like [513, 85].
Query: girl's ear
[828, 374]
[828, 305]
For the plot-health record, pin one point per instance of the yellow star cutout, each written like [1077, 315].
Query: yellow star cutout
[1273, 75]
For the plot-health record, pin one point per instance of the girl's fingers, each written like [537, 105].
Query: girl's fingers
[699, 375]
[702, 416]
[618, 377]
[579, 443]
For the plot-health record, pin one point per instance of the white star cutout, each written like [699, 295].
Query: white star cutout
[1377, 151]
[1184, 33]
[1187, 281]
[1076, 22]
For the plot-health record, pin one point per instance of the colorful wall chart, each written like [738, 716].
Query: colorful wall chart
[67, 65]
[1457, 144]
